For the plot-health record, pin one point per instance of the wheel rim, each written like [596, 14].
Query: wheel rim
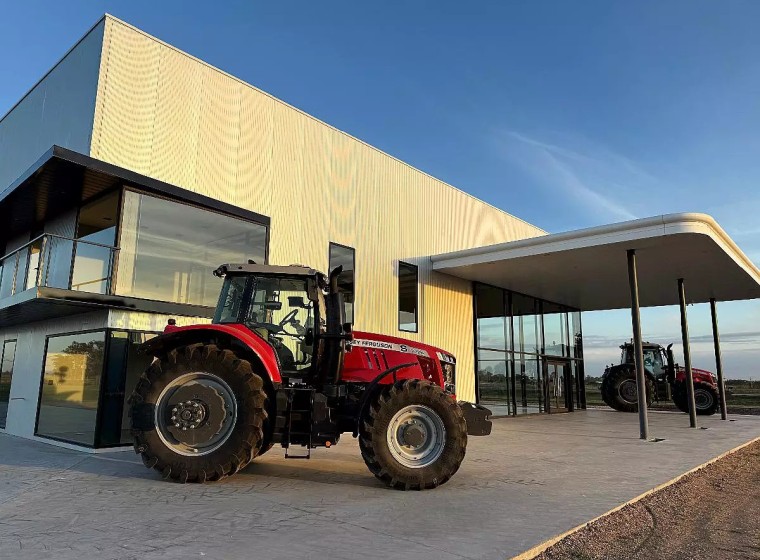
[627, 391]
[196, 414]
[416, 436]
[703, 399]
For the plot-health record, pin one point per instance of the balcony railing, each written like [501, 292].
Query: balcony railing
[54, 261]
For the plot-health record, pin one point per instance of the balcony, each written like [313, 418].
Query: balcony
[53, 261]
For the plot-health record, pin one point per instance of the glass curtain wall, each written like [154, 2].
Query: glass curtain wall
[169, 250]
[515, 334]
[7, 357]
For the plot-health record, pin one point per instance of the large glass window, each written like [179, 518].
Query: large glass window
[526, 324]
[340, 255]
[408, 279]
[493, 323]
[7, 357]
[494, 381]
[169, 250]
[555, 330]
[71, 387]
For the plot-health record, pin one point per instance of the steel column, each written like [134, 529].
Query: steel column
[641, 385]
[718, 360]
[687, 355]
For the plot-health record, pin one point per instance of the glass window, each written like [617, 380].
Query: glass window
[526, 325]
[555, 330]
[493, 381]
[345, 256]
[576, 338]
[281, 313]
[7, 357]
[169, 250]
[71, 387]
[528, 384]
[491, 318]
[97, 220]
[407, 297]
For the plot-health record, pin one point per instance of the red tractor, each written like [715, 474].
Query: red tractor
[665, 381]
[279, 365]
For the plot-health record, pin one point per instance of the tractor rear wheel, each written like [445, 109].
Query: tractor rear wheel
[413, 436]
[620, 392]
[198, 414]
[705, 398]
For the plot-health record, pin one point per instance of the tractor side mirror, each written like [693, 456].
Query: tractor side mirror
[308, 340]
[296, 301]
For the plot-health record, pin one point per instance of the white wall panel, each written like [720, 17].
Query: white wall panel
[201, 129]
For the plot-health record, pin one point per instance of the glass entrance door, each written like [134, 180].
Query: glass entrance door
[558, 391]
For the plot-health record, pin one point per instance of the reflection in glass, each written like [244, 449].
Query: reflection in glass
[408, 281]
[7, 275]
[493, 381]
[576, 337]
[492, 322]
[344, 256]
[71, 386]
[528, 384]
[169, 250]
[7, 356]
[555, 330]
[526, 323]
[33, 265]
[92, 266]
[56, 266]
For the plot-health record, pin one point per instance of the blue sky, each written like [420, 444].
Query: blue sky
[566, 114]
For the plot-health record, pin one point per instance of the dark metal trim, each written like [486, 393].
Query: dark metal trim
[135, 179]
[687, 355]
[633, 283]
[718, 359]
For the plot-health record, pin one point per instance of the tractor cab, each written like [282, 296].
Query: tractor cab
[297, 310]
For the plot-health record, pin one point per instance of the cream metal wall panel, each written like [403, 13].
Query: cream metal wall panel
[213, 134]
[59, 109]
[151, 322]
[27, 369]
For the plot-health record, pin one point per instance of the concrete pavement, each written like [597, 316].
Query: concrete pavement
[533, 478]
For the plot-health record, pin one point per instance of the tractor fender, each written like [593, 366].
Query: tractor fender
[244, 342]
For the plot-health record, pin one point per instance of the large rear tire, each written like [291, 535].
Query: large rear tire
[198, 414]
[413, 436]
[706, 398]
[619, 390]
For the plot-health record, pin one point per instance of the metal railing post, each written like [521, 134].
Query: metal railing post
[687, 355]
[718, 360]
[641, 385]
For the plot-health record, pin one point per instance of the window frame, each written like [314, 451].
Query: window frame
[353, 264]
[13, 366]
[416, 297]
[106, 345]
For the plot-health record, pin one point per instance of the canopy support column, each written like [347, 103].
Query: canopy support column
[641, 384]
[718, 360]
[687, 356]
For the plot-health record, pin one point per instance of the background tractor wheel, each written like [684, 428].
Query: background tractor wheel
[705, 398]
[413, 436]
[619, 390]
[198, 414]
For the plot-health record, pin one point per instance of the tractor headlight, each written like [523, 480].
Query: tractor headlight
[449, 377]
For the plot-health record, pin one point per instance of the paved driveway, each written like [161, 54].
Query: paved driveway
[533, 478]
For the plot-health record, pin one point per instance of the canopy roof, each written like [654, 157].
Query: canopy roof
[588, 268]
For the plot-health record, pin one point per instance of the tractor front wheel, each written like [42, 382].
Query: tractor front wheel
[413, 436]
[705, 398]
[198, 414]
[620, 392]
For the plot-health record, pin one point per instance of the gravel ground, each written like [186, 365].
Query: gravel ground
[711, 513]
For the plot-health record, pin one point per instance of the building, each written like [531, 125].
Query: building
[131, 170]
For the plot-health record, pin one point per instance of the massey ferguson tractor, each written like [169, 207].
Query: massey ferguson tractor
[279, 365]
[665, 381]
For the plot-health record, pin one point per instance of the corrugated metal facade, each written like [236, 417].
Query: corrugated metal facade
[167, 115]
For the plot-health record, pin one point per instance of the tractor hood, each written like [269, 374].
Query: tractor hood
[395, 344]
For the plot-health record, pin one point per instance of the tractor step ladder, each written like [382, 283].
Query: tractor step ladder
[300, 404]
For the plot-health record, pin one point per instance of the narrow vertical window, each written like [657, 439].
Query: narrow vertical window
[7, 356]
[345, 256]
[408, 279]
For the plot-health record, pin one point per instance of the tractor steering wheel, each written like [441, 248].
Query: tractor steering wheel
[288, 318]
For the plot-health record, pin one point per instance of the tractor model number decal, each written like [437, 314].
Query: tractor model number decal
[380, 345]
